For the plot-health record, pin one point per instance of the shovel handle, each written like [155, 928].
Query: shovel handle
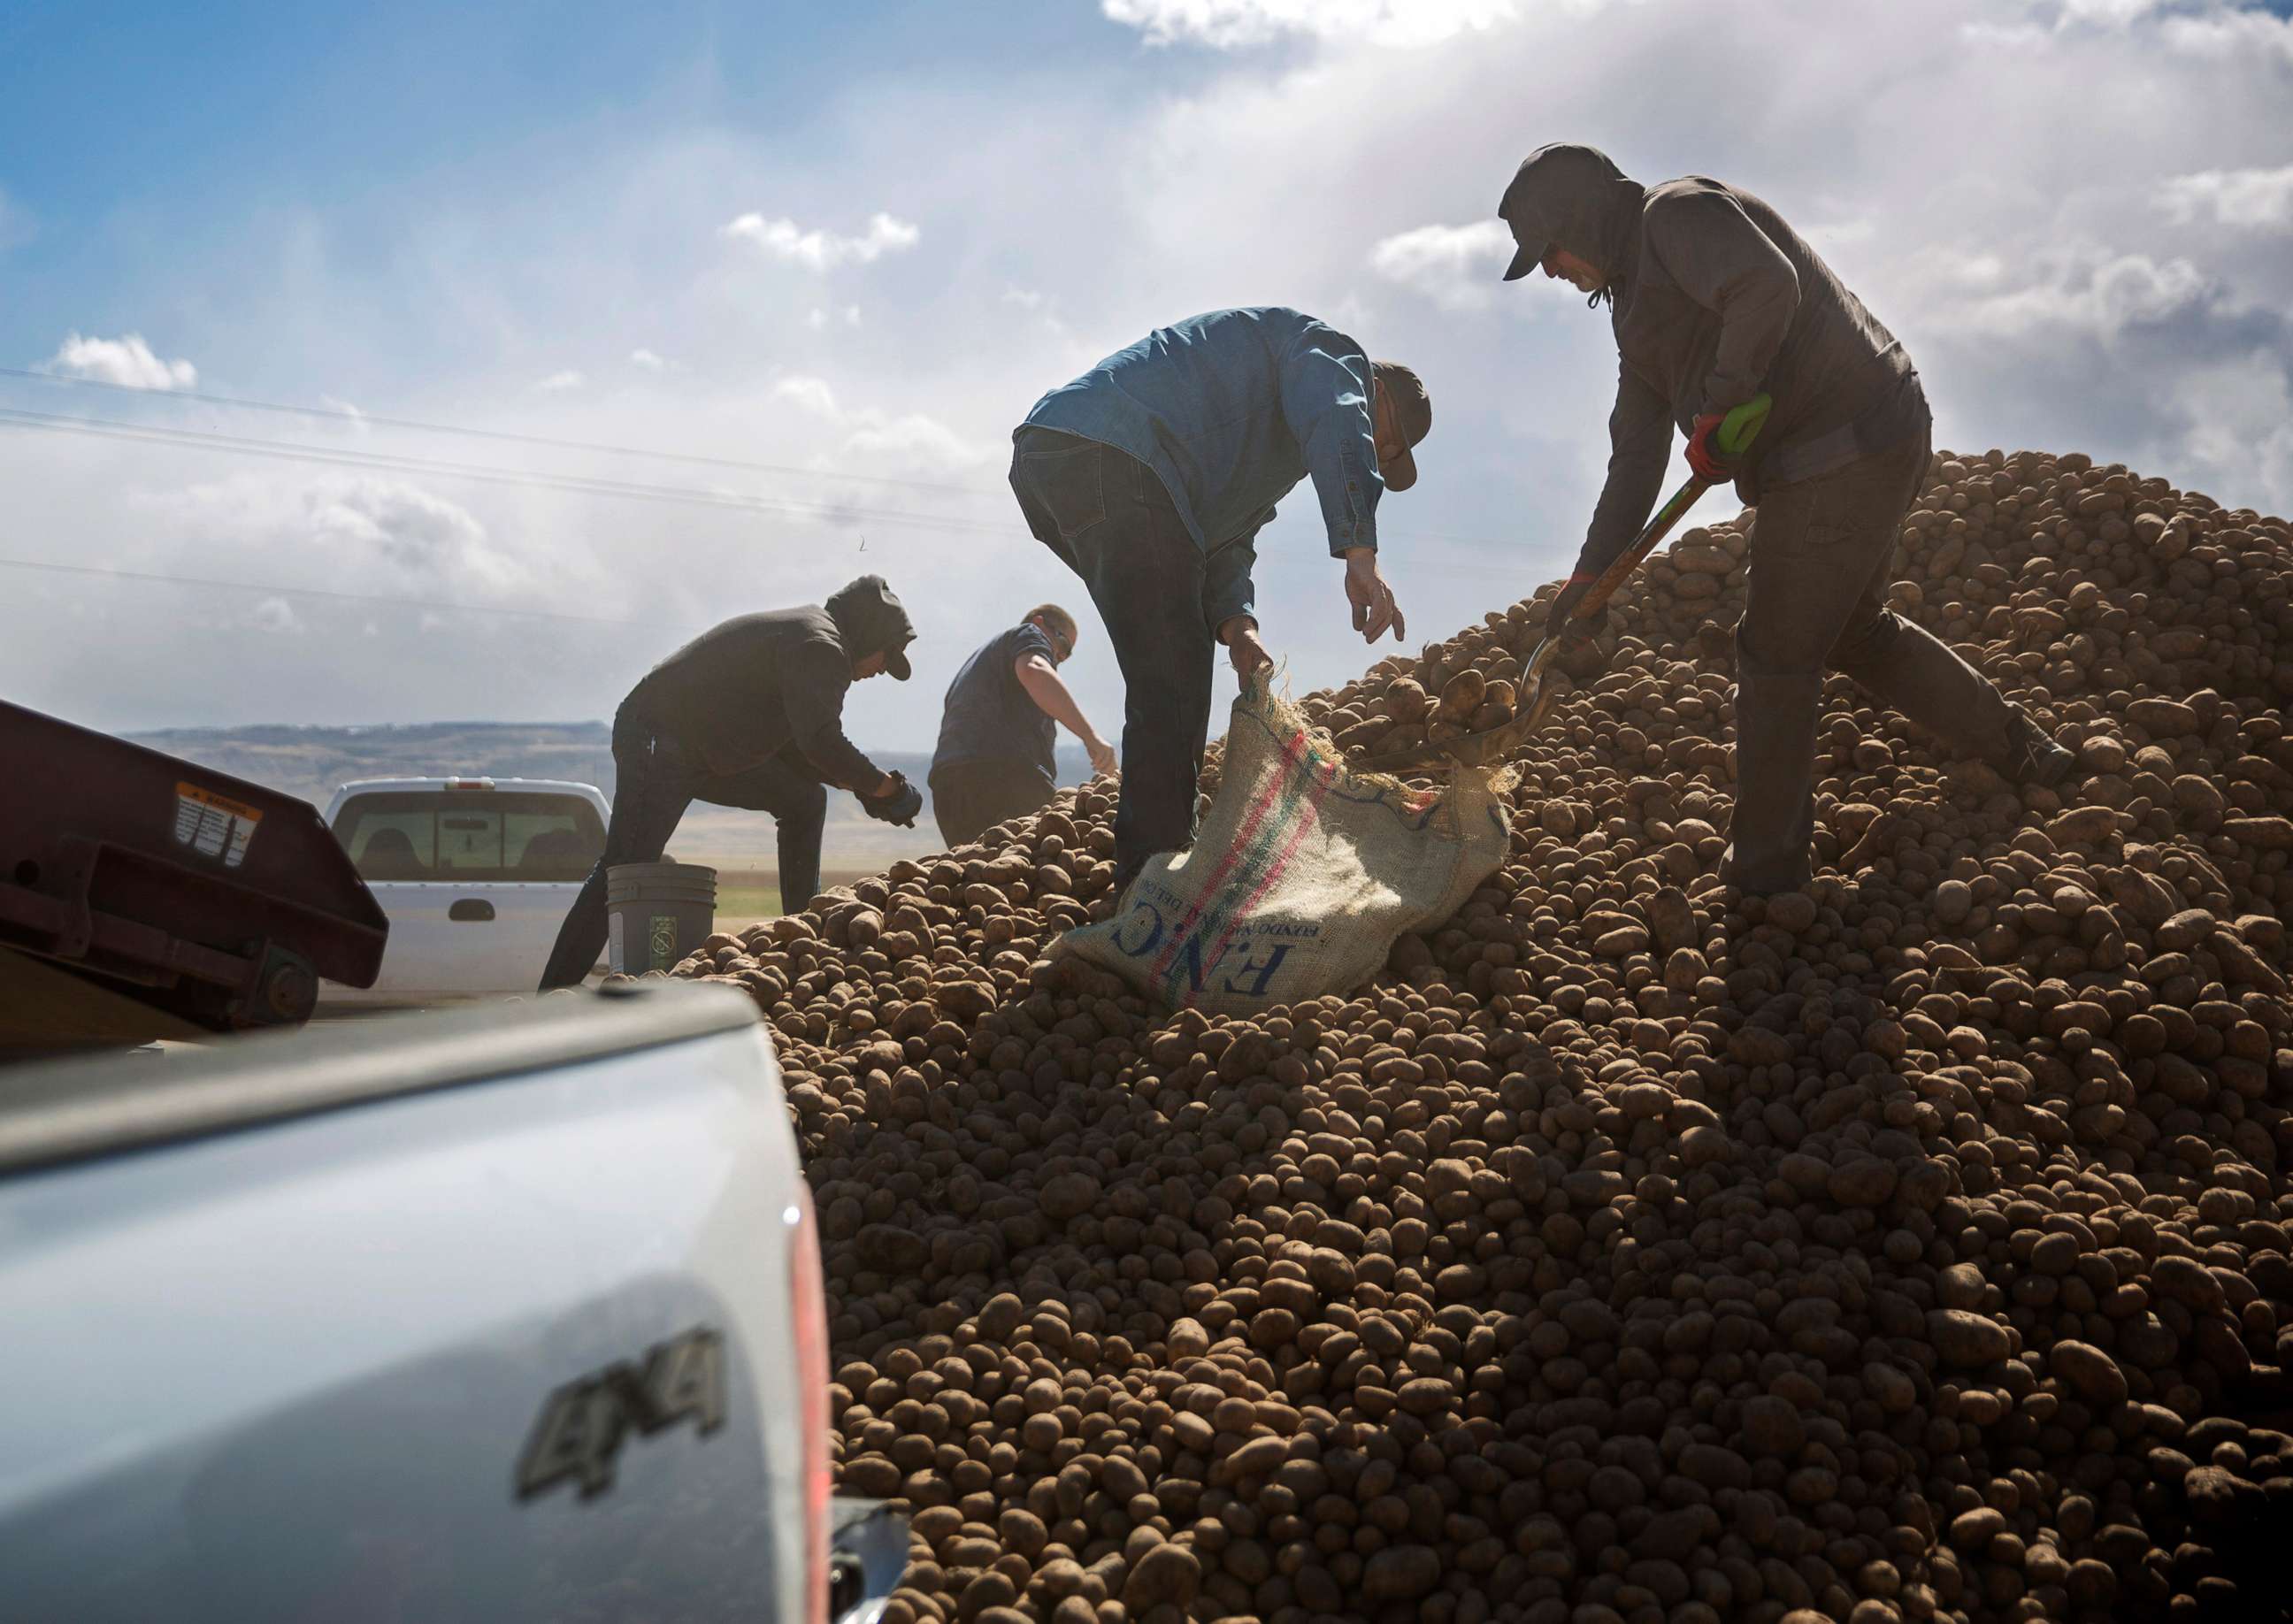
[1735, 435]
[1736, 431]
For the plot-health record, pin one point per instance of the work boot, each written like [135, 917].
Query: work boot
[2029, 757]
[1768, 833]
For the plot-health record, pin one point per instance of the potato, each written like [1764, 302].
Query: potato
[1460, 695]
[1912, 1246]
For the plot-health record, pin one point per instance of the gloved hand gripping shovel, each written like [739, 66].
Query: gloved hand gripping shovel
[1538, 694]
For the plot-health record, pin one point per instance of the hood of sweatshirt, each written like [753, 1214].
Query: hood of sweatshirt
[870, 620]
[1573, 197]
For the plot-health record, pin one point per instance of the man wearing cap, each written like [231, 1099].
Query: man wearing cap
[1713, 299]
[1151, 475]
[995, 758]
[749, 713]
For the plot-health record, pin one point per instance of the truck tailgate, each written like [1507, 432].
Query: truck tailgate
[480, 1315]
[466, 939]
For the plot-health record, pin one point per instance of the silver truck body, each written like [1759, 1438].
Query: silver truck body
[484, 1315]
[473, 912]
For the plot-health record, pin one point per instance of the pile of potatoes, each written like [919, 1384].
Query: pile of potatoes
[1911, 1247]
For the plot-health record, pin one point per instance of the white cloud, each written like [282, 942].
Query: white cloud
[2205, 29]
[820, 249]
[2104, 13]
[811, 393]
[1456, 266]
[418, 532]
[913, 437]
[559, 383]
[819, 319]
[377, 532]
[2253, 199]
[126, 360]
[2221, 32]
[1025, 298]
[274, 614]
[2090, 292]
[647, 360]
[908, 438]
[2237, 418]
[1233, 24]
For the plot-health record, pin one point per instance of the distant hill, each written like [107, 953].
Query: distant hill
[312, 762]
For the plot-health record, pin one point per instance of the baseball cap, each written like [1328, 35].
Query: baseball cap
[1413, 411]
[1527, 257]
[1531, 238]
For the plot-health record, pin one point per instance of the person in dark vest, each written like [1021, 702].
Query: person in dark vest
[1150, 477]
[749, 713]
[1713, 299]
[996, 736]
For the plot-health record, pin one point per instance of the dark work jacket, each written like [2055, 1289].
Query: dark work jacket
[1713, 299]
[749, 689]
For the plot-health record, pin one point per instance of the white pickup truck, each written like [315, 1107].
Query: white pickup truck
[511, 1313]
[475, 874]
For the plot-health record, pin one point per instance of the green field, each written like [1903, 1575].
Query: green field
[743, 899]
[744, 896]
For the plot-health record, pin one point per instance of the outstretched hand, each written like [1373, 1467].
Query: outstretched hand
[1373, 605]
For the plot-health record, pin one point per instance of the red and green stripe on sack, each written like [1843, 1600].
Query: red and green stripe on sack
[1278, 819]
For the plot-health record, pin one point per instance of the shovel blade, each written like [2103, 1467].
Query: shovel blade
[1484, 748]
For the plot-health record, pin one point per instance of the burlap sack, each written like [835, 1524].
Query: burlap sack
[1302, 874]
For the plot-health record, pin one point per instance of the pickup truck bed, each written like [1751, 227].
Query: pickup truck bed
[485, 1315]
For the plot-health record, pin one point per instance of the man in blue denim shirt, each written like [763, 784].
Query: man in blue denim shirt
[1151, 476]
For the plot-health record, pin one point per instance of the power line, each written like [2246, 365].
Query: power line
[392, 463]
[564, 483]
[602, 448]
[315, 592]
[342, 415]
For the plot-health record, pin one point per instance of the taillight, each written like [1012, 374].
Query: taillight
[810, 1306]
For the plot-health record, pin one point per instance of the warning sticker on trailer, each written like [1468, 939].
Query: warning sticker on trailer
[213, 825]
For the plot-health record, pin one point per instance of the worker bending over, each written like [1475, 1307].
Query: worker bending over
[1151, 475]
[1713, 299]
[750, 714]
[996, 738]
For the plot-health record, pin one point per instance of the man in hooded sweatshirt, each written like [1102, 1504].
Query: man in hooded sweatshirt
[1714, 299]
[749, 713]
[1151, 475]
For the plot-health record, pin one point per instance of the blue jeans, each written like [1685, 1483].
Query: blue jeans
[1107, 517]
[653, 783]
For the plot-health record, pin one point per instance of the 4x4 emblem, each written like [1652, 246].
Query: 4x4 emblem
[581, 1427]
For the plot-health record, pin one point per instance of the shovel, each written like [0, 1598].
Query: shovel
[1539, 695]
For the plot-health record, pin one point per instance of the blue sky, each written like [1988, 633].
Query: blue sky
[858, 241]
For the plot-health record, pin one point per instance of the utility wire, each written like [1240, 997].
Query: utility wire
[566, 483]
[504, 436]
[342, 415]
[391, 462]
[313, 591]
